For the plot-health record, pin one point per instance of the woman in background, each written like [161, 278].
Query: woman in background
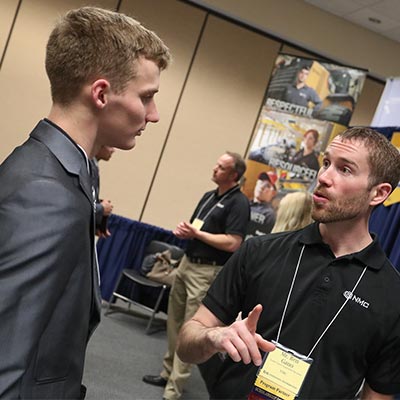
[294, 212]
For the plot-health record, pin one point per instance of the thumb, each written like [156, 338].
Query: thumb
[263, 344]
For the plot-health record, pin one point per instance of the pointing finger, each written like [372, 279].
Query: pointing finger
[253, 317]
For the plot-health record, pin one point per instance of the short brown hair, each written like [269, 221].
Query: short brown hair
[239, 165]
[89, 43]
[383, 159]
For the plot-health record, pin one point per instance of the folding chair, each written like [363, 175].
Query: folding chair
[134, 275]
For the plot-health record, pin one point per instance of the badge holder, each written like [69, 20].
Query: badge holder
[198, 223]
[281, 375]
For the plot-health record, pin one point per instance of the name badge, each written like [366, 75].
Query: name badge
[198, 223]
[281, 375]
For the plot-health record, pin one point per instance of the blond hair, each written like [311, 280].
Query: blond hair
[89, 43]
[294, 212]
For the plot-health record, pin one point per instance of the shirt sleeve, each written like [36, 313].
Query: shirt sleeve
[315, 99]
[238, 216]
[383, 375]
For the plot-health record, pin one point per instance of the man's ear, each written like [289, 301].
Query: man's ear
[380, 193]
[100, 90]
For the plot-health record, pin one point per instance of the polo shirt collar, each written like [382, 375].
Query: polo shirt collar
[371, 256]
[227, 193]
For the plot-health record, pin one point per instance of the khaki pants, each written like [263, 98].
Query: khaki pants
[191, 284]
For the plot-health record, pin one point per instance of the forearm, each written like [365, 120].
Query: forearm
[194, 344]
[221, 241]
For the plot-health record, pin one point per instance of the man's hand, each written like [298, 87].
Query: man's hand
[221, 241]
[102, 234]
[185, 230]
[204, 335]
[107, 207]
[240, 340]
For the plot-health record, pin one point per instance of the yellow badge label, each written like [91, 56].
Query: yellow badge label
[283, 373]
[273, 388]
[198, 223]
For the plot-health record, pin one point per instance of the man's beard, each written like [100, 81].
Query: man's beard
[340, 210]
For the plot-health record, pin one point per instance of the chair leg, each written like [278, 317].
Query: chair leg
[113, 298]
[108, 309]
[155, 310]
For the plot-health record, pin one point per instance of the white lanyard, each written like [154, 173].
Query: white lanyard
[215, 205]
[333, 319]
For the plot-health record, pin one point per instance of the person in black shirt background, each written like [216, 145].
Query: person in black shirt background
[215, 231]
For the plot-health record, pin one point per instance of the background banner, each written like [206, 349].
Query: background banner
[314, 89]
[291, 147]
[307, 103]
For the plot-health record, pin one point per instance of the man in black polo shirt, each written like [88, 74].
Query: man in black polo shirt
[328, 291]
[215, 231]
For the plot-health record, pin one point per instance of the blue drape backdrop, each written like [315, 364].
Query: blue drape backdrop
[125, 248]
[385, 221]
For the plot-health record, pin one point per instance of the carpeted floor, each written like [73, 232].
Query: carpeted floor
[120, 353]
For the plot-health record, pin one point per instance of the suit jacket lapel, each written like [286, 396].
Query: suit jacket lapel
[66, 152]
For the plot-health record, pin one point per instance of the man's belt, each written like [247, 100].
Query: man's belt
[201, 260]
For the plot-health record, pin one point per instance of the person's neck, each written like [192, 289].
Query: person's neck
[299, 85]
[346, 237]
[223, 188]
[78, 124]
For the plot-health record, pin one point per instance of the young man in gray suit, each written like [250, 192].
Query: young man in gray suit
[104, 70]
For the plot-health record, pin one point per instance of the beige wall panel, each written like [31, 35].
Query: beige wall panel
[126, 179]
[217, 113]
[367, 103]
[8, 9]
[319, 31]
[23, 80]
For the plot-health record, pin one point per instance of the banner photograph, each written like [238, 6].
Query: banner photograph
[290, 146]
[307, 103]
[284, 157]
[314, 89]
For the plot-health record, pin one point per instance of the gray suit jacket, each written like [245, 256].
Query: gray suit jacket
[49, 294]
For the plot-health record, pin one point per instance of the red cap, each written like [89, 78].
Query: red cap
[268, 176]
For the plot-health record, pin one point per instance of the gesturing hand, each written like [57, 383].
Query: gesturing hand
[240, 339]
[185, 230]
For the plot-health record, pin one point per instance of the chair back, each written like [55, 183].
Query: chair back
[156, 246]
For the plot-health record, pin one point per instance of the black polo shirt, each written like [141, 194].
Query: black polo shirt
[364, 340]
[228, 213]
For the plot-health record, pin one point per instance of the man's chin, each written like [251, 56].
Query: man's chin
[130, 145]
